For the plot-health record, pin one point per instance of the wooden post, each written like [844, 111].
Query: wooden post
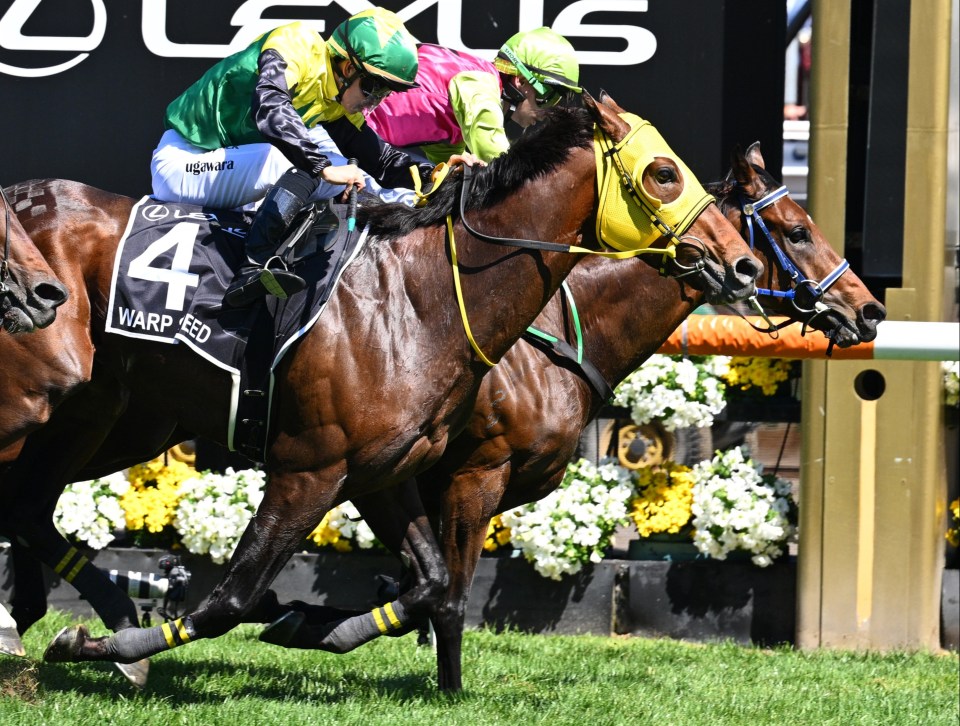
[872, 478]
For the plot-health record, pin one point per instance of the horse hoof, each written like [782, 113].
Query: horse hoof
[136, 673]
[66, 646]
[283, 630]
[10, 642]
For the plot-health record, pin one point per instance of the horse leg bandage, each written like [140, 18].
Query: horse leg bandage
[347, 634]
[132, 644]
[115, 609]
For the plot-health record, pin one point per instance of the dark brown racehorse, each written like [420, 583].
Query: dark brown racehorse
[532, 408]
[369, 398]
[29, 291]
[30, 294]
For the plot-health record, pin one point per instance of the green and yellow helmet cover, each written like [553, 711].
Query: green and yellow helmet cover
[378, 43]
[626, 223]
[542, 57]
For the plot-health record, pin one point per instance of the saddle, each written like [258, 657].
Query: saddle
[172, 305]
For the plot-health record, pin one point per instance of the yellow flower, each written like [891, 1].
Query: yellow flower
[953, 533]
[765, 373]
[151, 501]
[497, 535]
[664, 499]
[325, 535]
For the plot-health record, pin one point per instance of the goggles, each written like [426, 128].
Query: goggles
[549, 96]
[373, 89]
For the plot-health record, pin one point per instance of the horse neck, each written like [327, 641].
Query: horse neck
[505, 288]
[627, 311]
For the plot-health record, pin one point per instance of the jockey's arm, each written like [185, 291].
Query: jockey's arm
[386, 163]
[475, 99]
[277, 120]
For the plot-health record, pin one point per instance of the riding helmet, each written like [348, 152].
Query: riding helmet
[378, 44]
[543, 58]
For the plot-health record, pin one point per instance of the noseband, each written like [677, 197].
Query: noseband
[798, 281]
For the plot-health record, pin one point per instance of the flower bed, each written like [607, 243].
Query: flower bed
[167, 504]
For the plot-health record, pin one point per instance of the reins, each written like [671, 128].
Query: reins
[816, 290]
[611, 151]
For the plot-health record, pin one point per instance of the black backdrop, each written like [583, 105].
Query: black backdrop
[715, 78]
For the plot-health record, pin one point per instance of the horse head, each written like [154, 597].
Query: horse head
[29, 291]
[646, 189]
[806, 279]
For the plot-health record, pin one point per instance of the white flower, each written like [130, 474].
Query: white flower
[677, 391]
[951, 382]
[214, 510]
[90, 512]
[735, 508]
[574, 524]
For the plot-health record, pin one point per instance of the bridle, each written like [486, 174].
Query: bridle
[4, 263]
[675, 239]
[673, 233]
[810, 289]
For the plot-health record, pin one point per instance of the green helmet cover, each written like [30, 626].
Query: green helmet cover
[543, 58]
[378, 44]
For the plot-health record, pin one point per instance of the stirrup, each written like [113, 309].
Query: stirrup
[254, 284]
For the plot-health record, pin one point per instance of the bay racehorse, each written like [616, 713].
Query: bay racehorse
[377, 388]
[531, 410]
[30, 294]
[29, 291]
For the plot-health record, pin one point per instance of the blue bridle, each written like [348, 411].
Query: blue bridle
[817, 290]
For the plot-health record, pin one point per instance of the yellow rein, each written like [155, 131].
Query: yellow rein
[670, 252]
[610, 174]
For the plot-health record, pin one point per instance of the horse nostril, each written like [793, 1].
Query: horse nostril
[873, 313]
[53, 292]
[749, 267]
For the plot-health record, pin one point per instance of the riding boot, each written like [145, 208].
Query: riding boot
[278, 210]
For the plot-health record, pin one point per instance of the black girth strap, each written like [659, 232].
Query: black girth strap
[564, 350]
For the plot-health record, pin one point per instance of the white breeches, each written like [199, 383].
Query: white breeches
[238, 177]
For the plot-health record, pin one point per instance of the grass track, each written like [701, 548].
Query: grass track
[509, 678]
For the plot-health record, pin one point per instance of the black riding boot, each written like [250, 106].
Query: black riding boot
[278, 210]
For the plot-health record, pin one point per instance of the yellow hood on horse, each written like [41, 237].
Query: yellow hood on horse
[628, 217]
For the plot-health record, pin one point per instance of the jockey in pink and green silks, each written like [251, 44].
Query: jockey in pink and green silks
[462, 102]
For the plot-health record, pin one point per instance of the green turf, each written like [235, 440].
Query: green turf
[509, 679]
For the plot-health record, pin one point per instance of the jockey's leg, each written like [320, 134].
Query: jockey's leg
[283, 202]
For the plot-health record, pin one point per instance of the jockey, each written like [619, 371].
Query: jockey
[464, 101]
[233, 135]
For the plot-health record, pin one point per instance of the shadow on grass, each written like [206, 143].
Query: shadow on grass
[205, 681]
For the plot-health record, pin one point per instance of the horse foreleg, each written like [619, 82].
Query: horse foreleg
[467, 505]
[292, 505]
[112, 605]
[29, 601]
[397, 517]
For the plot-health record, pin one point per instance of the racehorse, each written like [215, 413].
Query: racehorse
[330, 439]
[30, 294]
[531, 410]
[29, 291]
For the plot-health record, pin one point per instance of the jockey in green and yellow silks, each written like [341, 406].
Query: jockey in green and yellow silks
[245, 130]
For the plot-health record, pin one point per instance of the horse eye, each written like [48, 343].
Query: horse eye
[798, 235]
[665, 175]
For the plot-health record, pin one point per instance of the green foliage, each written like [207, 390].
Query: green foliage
[509, 678]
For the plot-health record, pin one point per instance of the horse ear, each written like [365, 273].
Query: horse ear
[591, 104]
[742, 170]
[606, 118]
[754, 156]
[607, 100]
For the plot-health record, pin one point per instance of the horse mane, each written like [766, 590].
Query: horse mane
[724, 189]
[543, 147]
